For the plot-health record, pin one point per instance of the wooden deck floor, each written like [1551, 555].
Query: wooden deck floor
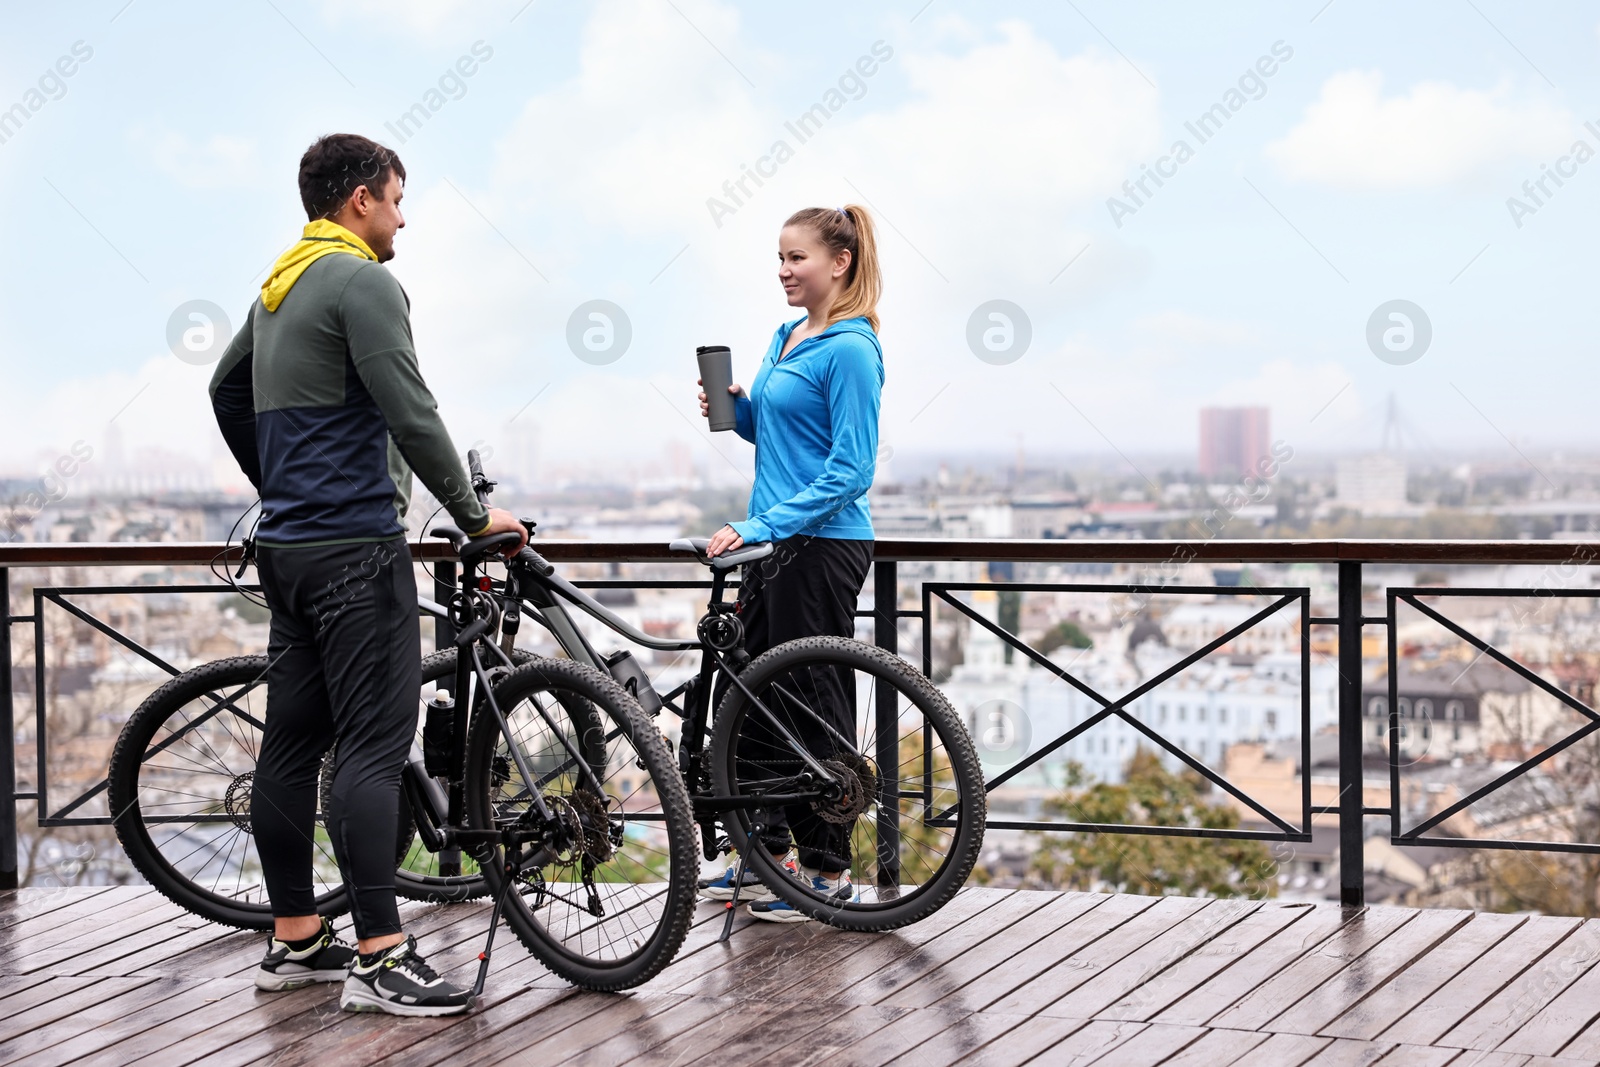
[119, 976]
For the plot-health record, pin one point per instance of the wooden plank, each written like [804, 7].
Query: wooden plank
[32, 904]
[836, 963]
[1084, 1043]
[1556, 1025]
[1419, 1056]
[1410, 988]
[1559, 1061]
[1527, 994]
[961, 1041]
[947, 985]
[135, 1018]
[45, 991]
[1351, 941]
[1150, 1047]
[97, 1005]
[915, 1029]
[1323, 1002]
[1489, 1059]
[18, 943]
[1282, 1050]
[194, 1019]
[1342, 1052]
[12, 984]
[1205, 962]
[843, 1039]
[1480, 980]
[56, 947]
[1217, 1048]
[547, 1022]
[1128, 977]
[648, 1033]
[1086, 963]
[267, 1013]
[1584, 1048]
[50, 1006]
[754, 1030]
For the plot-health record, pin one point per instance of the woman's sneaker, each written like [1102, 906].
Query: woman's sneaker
[779, 911]
[751, 889]
[399, 981]
[292, 964]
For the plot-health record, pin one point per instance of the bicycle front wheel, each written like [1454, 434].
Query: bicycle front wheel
[903, 802]
[606, 899]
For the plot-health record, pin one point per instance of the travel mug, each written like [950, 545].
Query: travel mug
[716, 374]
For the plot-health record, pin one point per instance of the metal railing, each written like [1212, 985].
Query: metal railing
[1348, 555]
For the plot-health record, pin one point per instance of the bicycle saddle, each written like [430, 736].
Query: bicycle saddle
[726, 561]
[474, 549]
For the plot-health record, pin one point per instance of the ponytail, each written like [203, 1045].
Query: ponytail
[849, 229]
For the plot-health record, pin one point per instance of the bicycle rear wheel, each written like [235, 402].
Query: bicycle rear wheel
[608, 905]
[909, 811]
[179, 790]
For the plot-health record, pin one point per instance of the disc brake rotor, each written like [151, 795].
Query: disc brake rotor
[237, 800]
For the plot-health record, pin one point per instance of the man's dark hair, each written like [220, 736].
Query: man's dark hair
[337, 165]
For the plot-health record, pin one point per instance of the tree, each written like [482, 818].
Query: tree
[1140, 863]
[1064, 634]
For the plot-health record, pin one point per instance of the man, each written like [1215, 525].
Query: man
[320, 399]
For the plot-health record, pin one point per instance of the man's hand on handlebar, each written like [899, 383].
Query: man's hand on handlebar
[502, 521]
[724, 540]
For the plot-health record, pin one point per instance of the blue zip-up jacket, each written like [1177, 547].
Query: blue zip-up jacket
[813, 417]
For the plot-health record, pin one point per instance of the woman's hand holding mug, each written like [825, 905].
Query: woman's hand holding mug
[705, 404]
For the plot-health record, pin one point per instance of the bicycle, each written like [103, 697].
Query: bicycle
[914, 835]
[545, 772]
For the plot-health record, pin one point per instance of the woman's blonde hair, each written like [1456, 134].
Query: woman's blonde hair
[849, 228]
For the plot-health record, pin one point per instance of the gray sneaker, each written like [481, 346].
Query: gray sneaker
[328, 960]
[399, 981]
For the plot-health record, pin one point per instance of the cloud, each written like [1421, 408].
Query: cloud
[1353, 137]
[220, 161]
[418, 17]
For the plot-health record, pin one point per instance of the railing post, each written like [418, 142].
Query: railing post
[8, 752]
[1352, 873]
[886, 635]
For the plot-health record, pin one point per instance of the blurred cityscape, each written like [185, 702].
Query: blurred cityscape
[1259, 711]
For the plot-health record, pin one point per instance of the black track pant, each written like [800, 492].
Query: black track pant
[345, 671]
[806, 588]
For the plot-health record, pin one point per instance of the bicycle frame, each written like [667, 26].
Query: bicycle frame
[546, 595]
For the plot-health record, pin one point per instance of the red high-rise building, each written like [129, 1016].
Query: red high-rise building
[1233, 440]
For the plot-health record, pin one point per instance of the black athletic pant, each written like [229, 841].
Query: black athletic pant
[806, 588]
[345, 671]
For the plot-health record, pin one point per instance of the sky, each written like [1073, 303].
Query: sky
[1356, 154]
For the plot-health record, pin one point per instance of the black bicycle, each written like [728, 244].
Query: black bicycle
[904, 788]
[544, 774]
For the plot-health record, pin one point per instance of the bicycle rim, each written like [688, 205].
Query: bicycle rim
[610, 913]
[910, 822]
[184, 771]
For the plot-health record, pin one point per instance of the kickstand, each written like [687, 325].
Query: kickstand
[738, 882]
[494, 923]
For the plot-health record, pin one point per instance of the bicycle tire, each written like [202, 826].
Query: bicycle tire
[134, 783]
[416, 876]
[650, 828]
[954, 775]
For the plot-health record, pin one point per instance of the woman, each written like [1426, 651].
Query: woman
[812, 414]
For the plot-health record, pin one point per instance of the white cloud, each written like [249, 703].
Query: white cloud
[1354, 137]
[419, 17]
[220, 161]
